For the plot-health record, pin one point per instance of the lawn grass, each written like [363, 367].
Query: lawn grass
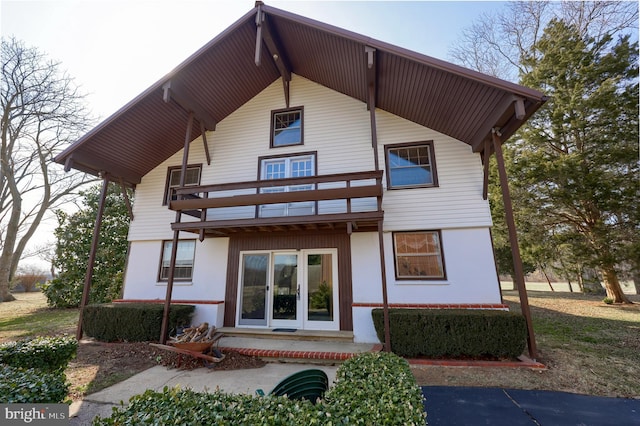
[602, 341]
[589, 347]
[30, 316]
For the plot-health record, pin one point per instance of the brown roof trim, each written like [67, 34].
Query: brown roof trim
[408, 54]
[60, 158]
[450, 99]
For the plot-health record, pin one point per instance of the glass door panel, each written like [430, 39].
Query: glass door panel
[320, 287]
[286, 288]
[321, 290]
[254, 286]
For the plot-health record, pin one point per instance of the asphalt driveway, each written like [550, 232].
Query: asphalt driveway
[510, 407]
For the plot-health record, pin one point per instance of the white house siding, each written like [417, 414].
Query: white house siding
[208, 284]
[471, 276]
[456, 202]
[337, 128]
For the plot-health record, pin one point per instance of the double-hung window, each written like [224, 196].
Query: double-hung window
[184, 260]
[192, 178]
[282, 168]
[411, 165]
[286, 127]
[418, 255]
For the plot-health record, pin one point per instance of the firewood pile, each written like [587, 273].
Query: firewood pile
[200, 334]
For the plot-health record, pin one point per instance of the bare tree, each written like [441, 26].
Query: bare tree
[42, 111]
[496, 43]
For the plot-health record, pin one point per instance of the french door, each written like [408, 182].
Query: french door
[289, 289]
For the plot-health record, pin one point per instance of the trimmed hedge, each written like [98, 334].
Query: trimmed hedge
[369, 389]
[32, 370]
[31, 385]
[44, 353]
[453, 333]
[375, 389]
[131, 322]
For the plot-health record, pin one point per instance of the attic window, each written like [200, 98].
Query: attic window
[286, 127]
[411, 165]
[173, 180]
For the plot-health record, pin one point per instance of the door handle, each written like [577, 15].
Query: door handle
[298, 292]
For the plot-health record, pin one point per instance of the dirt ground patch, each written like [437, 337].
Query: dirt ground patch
[99, 364]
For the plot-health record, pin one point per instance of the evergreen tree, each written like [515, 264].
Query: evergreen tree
[74, 235]
[575, 166]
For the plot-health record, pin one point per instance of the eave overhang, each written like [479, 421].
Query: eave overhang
[223, 75]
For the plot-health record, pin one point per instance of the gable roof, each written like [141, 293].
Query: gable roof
[223, 75]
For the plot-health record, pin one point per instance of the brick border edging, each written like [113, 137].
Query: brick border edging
[523, 361]
[278, 353]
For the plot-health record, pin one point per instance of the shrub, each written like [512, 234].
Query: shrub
[30, 385]
[369, 389]
[29, 280]
[376, 388]
[45, 353]
[453, 333]
[132, 322]
[608, 300]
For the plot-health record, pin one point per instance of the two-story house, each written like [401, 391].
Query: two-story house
[294, 175]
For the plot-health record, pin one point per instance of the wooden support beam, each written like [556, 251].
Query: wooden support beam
[485, 131]
[519, 108]
[164, 330]
[259, 18]
[486, 152]
[266, 34]
[371, 101]
[513, 241]
[94, 166]
[385, 299]
[371, 74]
[276, 49]
[126, 199]
[92, 255]
[205, 142]
[174, 91]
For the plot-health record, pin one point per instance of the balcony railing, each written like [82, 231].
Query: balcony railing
[338, 198]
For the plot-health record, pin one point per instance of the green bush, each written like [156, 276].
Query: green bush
[45, 353]
[30, 385]
[453, 333]
[369, 389]
[131, 322]
[375, 388]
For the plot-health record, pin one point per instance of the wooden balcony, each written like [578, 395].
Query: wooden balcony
[349, 201]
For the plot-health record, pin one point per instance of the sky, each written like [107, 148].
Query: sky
[116, 49]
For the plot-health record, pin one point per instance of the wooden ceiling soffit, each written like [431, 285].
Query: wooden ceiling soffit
[485, 131]
[174, 91]
[268, 35]
[86, 163]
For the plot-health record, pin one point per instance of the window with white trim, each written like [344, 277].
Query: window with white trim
[418, 255]
[184, 260]
[282, 168]
[411, 165]
[286, 127]
[192, 178]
